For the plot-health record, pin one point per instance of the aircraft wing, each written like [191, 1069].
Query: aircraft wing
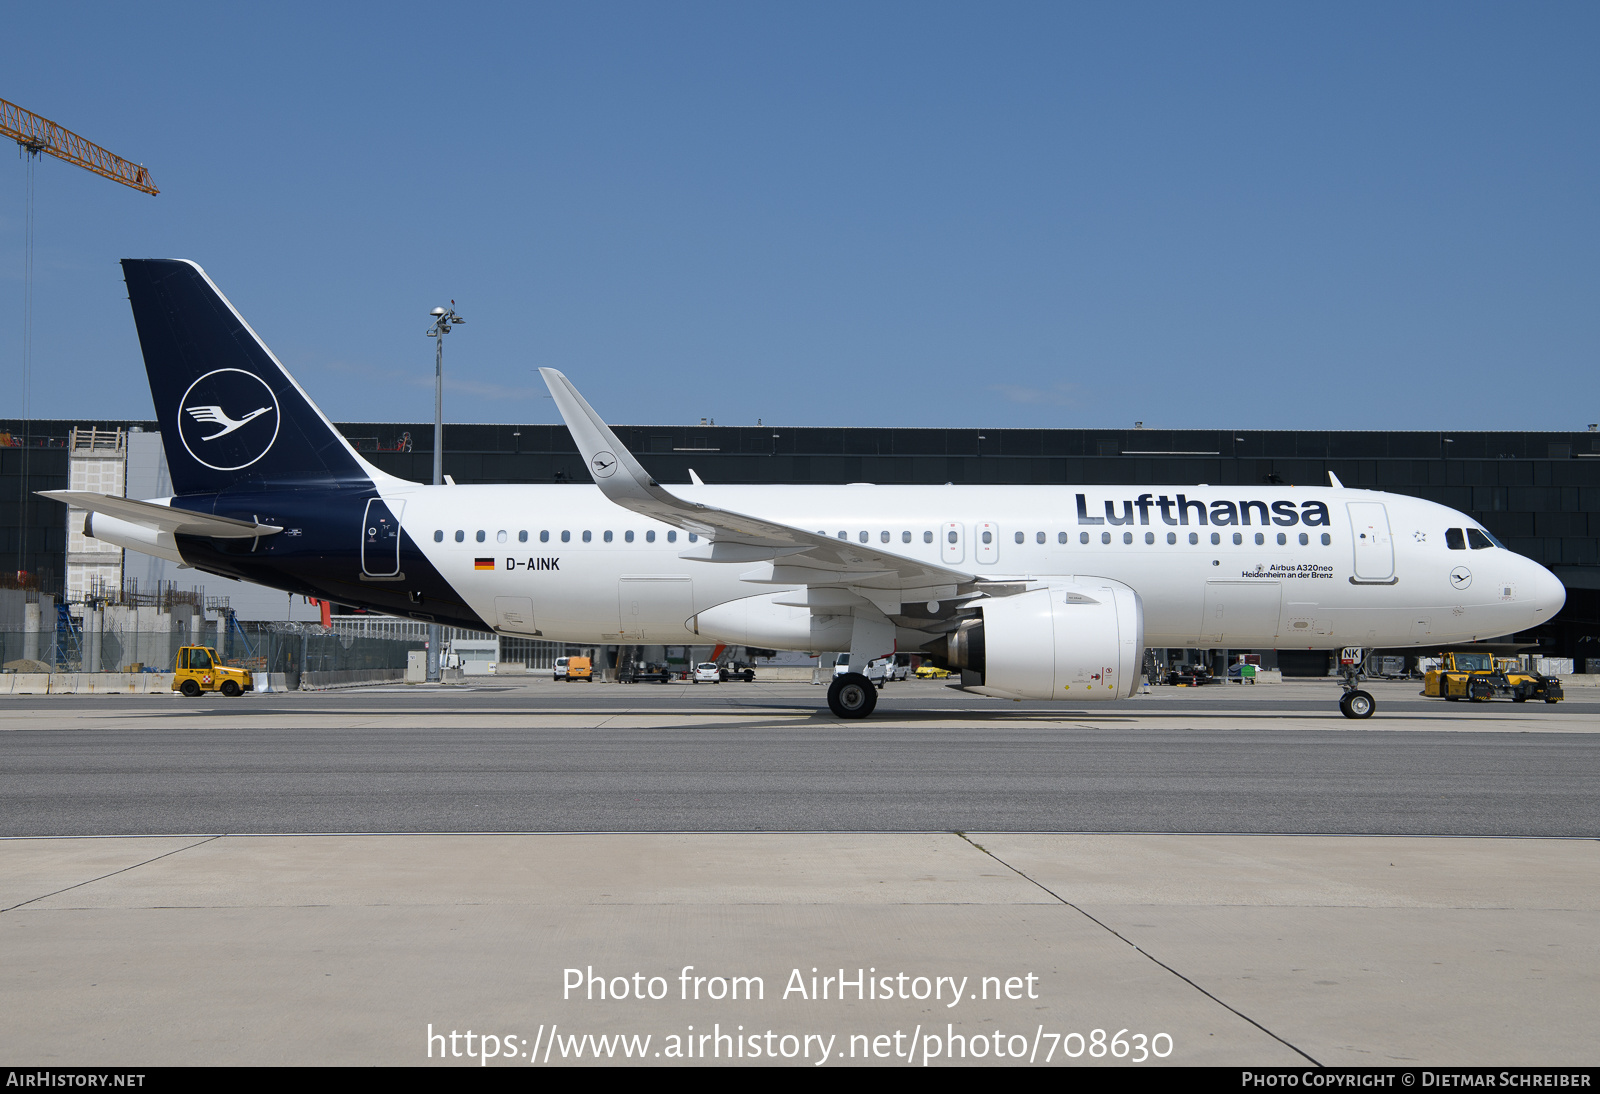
[793, 555]
[163, 518]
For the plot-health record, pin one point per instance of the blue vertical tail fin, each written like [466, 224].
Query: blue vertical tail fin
[232, 418]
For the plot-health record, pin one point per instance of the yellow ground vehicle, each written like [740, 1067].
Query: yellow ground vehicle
[198, 670]
[1479, 677]
[574, 668]
[926, 671]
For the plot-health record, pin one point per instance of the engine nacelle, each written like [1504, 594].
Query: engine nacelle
[757, 621]
[1079, 641]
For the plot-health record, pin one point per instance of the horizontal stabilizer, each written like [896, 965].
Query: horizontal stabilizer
[162, 517]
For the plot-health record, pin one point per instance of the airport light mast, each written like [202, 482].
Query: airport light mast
[444, 321]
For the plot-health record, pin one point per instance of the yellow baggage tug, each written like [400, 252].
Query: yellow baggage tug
[1479, 677]
[198, 671]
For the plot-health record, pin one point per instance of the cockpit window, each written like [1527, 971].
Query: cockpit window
[1479, 540]
[1454, 540]
[1474, 662]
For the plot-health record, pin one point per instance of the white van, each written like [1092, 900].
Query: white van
[877, 671]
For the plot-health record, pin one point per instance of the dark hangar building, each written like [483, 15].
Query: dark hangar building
[1539, 492]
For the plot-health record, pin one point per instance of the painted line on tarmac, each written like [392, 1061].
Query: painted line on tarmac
[1141, 950]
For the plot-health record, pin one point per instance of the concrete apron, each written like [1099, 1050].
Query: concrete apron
[1244, 950]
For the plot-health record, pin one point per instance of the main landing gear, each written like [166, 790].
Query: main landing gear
[851, 695]
[1355, 703]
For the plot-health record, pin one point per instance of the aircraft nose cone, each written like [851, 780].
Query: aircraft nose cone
[1548, 593]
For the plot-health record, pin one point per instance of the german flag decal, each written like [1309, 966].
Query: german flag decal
[483, 564]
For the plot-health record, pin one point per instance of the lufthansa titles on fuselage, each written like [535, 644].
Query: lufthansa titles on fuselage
[1181, 510]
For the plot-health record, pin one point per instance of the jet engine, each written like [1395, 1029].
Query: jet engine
[1078, 641]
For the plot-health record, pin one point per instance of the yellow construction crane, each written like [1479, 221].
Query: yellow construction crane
[35, 135]
[38, 134]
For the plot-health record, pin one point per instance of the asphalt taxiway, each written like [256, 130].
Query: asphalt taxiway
[542, 757]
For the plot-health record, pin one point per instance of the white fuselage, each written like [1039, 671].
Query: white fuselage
[1229, 567]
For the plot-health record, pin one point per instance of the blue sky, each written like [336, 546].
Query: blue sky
[1251, 215]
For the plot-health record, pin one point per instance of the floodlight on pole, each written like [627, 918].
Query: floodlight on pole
[444, 321]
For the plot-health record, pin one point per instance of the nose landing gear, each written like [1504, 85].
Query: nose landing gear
[1357, 704]
[1354, 703]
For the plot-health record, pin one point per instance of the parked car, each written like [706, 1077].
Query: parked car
[926, 671]
[707, 672]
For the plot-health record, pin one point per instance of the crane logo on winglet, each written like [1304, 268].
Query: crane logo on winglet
[604, 464]
[240, 441]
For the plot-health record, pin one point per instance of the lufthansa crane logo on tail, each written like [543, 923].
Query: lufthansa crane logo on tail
[604, 464]
[228, 419]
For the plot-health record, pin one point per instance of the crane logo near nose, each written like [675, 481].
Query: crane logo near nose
[1460, 577]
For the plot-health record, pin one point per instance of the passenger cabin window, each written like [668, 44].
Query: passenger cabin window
[1238, 538]
[1455, 539]
[438, 536]
[1326, 539]
[627, 537]
[1260, 539]
[588, 536]
[1304, 539]
[672, 537]
[927, 537]
[1478, 540]
[500, 536]
[1216, 538]
[544, 536]
[461, 536]
[566, 536]
[693, 538]
[1061, 537]
[1282, 539]
[883, 537]
[522, 536]
[480, 536]
[650, 536]
[905, 537]
[1127, 537]
[862, 536]
[1149, 537]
